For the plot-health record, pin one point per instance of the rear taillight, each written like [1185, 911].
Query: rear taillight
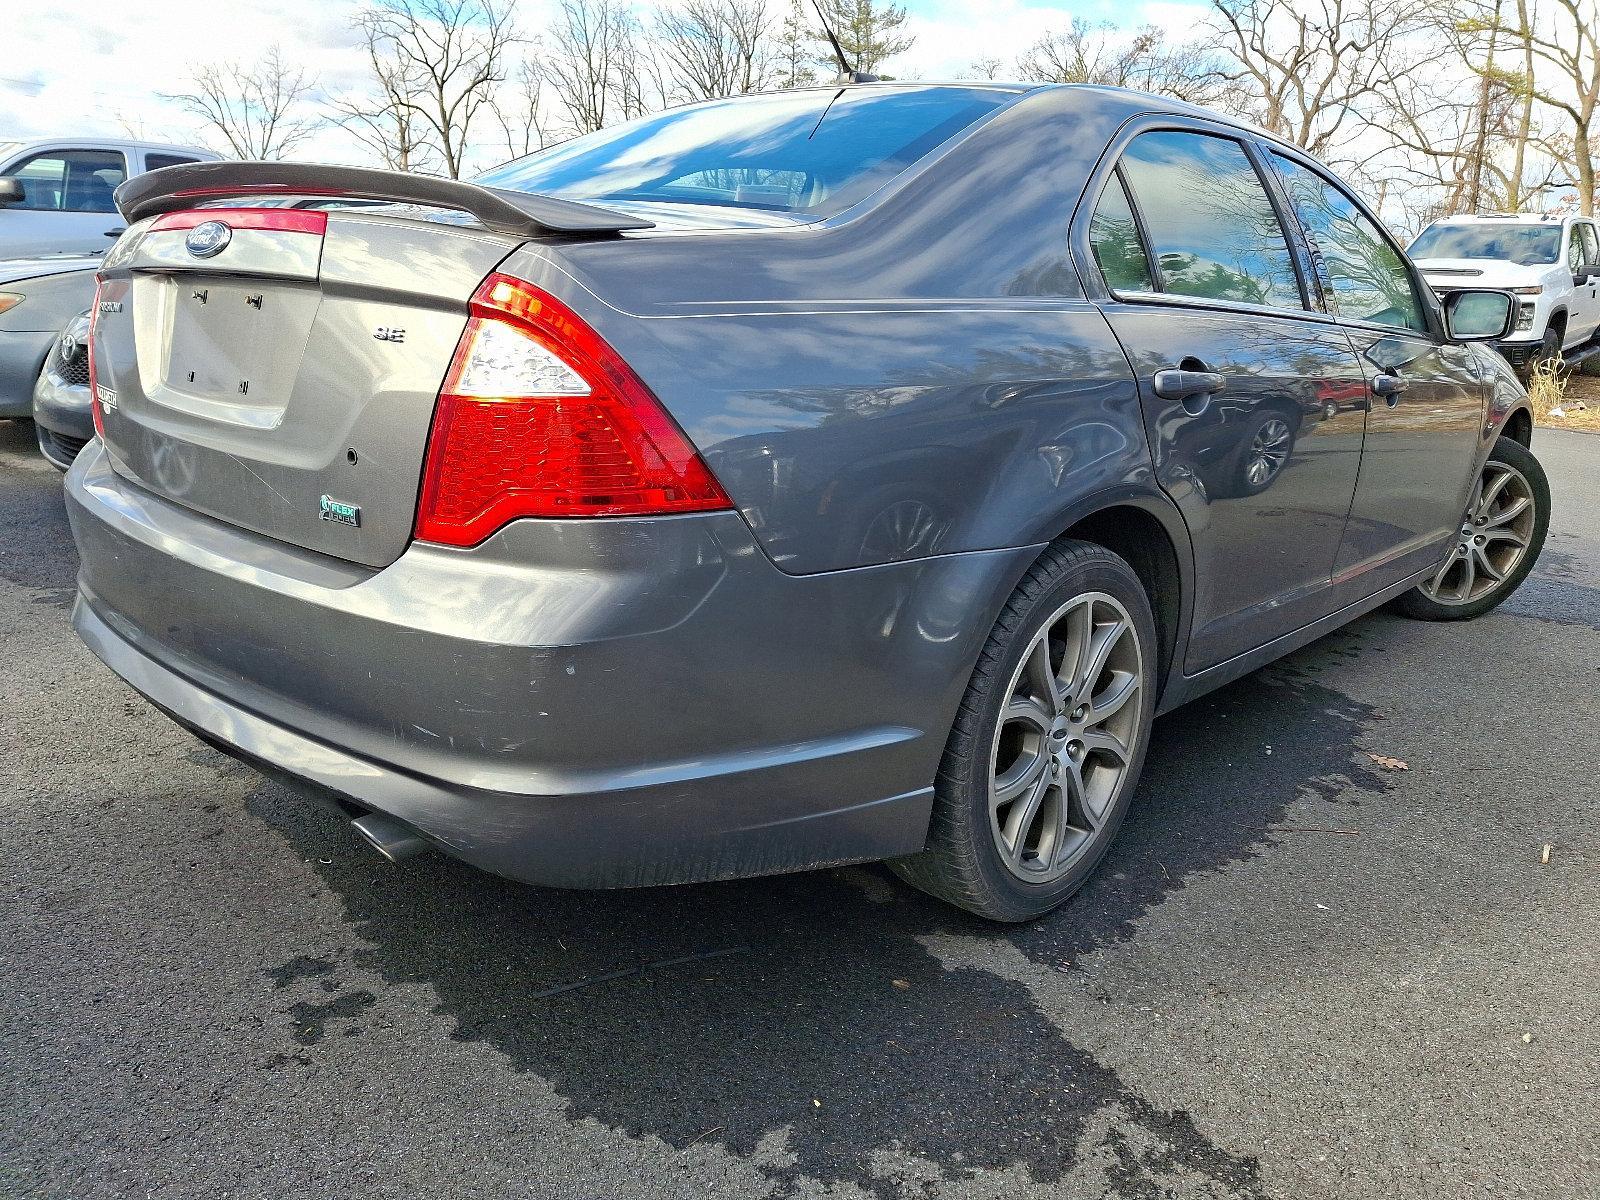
[539, 417]
[88, 353]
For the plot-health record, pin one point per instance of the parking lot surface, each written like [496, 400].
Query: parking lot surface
[1302, 972]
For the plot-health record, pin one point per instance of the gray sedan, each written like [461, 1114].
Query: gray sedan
[38, 296]
[840, 474]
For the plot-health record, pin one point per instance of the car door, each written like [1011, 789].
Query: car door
[1426, 395]
[1585, 317]
[1252, 400]
[67, 203]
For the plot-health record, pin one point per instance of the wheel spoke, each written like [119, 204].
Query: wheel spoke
[1491, 493]
[1508, 514]
[1022, 817]
[1098, 741]
[1111, 699]
[1469, 576]
[1505, 535]
[1029, 711]
[1484, 566]
[1102, 642]
[1042, 676]
[1018, 778]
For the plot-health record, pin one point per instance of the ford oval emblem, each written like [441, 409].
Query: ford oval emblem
[208, 238]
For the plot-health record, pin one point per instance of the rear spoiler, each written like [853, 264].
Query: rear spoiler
[503, 211]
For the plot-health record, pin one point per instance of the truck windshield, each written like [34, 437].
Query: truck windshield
[813, 152]
[1525, 245]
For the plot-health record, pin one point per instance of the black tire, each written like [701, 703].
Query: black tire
[961, 862]
[1417, 603]
[1591, 365]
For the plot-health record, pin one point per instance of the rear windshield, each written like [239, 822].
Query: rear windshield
[1525, 245]
[813, 152]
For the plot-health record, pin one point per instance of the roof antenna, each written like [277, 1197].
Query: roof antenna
[846, 73]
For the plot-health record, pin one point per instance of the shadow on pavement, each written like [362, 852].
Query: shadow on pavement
[765, 1015]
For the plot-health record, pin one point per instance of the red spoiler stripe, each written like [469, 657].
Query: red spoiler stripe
[293, 220]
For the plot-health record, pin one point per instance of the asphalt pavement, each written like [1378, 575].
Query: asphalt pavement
[1301, 973]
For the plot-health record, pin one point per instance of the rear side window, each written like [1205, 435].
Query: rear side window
[1367, 275]
[1114, 235]
[71, 180]
[154, 162]
[1208, 220]
[812, 152]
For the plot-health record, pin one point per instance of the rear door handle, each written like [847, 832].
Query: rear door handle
[1182, 385]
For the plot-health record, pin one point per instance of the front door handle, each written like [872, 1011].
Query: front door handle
[1389, 387]
[115, 232]
[1183, 384]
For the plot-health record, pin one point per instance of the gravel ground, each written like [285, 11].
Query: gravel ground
[210, 989]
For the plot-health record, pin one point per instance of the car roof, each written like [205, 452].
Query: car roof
[111, 143]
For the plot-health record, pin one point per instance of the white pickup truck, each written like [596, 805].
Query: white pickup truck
[55, 194]
[1551, 263]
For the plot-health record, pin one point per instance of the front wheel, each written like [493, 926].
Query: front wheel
[1501, 535]
[1049, 741]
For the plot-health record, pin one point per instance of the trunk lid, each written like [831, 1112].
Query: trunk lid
[284, 380]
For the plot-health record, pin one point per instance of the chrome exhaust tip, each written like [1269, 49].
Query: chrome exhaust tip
[389, 837]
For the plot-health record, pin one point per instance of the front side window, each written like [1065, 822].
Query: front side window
[1114, 237]
[1208, 220]
[71, 180]
[814, 151]
[1367, 275]
[1575, 253]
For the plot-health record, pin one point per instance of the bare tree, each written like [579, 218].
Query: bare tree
[448, 56]
[868, 32]
[518, 108]
[255, 108]
[716, 48]
[386, 120]
[796, 54]
[1142, 59]
[1306, 68]
[592, 66]
[1568, 47]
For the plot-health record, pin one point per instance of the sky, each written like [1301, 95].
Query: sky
[103, 72]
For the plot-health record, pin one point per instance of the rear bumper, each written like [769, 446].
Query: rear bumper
[584, 704]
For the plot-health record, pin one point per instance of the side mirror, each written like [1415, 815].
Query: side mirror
[11, 191]
[1471, 315]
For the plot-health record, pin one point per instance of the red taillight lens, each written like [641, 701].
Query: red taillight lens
[539, 417]
[88, 351]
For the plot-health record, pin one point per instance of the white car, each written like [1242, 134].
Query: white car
[1551, 263]
[55, 194]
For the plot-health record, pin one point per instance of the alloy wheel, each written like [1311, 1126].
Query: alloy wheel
[1494, 536]
[1268, 452]
[1066, 735]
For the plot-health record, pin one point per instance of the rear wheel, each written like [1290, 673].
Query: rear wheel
[1048, 743]
[1500, 538]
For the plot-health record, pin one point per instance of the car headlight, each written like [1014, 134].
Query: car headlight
[9, 300]
[1536, 290]
[1524, 317]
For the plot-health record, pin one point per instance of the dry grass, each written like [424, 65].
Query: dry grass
[1576, 397]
